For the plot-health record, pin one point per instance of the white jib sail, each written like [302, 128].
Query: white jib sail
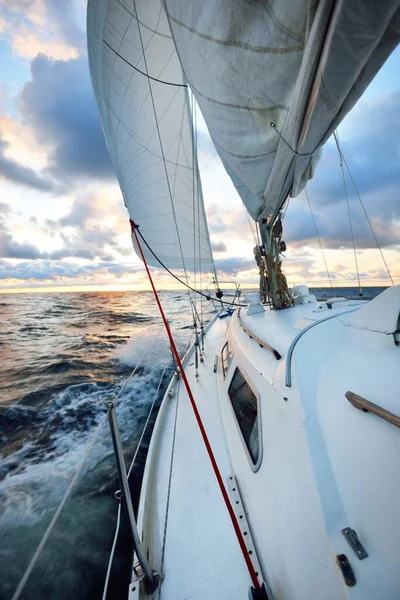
[300, 65]
[142, 99]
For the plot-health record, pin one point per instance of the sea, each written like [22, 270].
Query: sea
[63, 356]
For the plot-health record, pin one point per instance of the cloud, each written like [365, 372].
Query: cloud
[371, 146]
[333, 223]
[234, 265]
[218, 247]
[9, 247]
[58, 104]
[49, 27]
[57, 271]
[91, 230]
[29, 45]
[12, 171]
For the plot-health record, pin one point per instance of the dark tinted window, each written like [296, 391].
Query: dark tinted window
[226, 356]
[244, 403]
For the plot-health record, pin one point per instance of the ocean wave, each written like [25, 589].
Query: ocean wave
[71, 415]
[33, 328]
[59, 386]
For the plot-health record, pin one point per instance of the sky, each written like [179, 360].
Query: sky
[63, 224]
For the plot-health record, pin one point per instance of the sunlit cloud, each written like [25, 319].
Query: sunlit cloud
[29, 45]
[62, 218]
[42, 26]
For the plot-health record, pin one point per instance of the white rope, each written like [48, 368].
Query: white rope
[38, 551]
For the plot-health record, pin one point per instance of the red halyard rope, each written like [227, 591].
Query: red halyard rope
[217, 473]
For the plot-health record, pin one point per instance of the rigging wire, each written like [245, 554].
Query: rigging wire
[336, 136]
[118, 524]
[169, 491]
[198, 198]
[367, 217]
[194, 203]
[319, 239]
[111, 559]
[228, 504]
[253, 231]
[50, 527]
[135, 227]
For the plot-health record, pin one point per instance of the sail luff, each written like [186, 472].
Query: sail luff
[142, 100]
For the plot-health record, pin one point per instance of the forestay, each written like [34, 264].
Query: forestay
[143, 99]
[299, 65]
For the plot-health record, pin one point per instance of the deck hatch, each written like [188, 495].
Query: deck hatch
[245, 406]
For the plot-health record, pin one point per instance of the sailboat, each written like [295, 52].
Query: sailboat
[272, 470]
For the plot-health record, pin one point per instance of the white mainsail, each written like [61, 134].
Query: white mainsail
[300, 65]
[143, 99]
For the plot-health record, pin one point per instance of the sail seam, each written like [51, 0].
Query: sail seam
[237, 43]
[142, 72]
[238, 106]
[245, 156]
[164, 35]
[139, 143]
[161, 146]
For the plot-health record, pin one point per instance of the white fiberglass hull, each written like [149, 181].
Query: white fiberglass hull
[323, 466]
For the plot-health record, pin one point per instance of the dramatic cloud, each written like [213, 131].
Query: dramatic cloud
[90, 231]
[58, 104]
[9, 247]
[233, 266]
[333, 223]
[68, 224]
[371, 146]
[16, 173]
[46, 270]
[43, 26]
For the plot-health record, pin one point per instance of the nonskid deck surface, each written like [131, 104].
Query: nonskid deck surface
[325, 465]
[202, 559]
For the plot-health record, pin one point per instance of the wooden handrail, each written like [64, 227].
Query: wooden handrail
[367, 406]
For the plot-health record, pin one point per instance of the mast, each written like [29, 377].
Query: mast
[279, 80]
[273, 285]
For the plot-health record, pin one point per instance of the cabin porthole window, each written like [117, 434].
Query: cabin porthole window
[226, 358]
[245, 406]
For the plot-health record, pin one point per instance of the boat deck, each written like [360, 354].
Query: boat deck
[199, 537]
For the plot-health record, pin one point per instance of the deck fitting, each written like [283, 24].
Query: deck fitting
[352, 538]
[259, 594]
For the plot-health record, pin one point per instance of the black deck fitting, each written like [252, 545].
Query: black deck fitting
[259, 594]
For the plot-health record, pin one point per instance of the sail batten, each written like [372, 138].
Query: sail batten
[142, 99]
